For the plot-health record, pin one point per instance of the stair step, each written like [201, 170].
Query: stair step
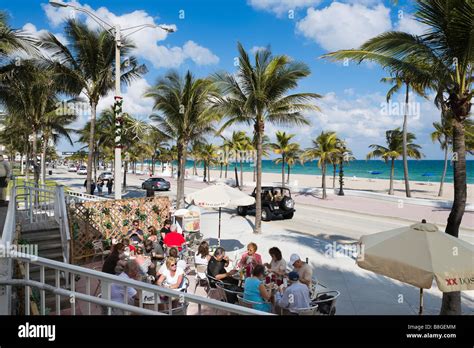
[54, 254]
[39, 226]
[38, 236]
[49, 245]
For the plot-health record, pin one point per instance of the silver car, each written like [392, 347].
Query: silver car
[156, 184]
[106, 176]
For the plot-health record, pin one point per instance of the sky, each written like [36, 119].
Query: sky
[205, 42]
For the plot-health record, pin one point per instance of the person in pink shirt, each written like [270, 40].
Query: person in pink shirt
[250, 259]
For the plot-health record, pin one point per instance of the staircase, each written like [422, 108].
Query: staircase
[46, 235]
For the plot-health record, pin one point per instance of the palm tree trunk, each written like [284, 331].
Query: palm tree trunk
[241, 173]
[91, 146]
[288, 176]
[125, 170]
[181, 170]
[153, 165]
[392, 171]
[334, 168]
[283, 170]
[254, 172]
[341, 178]
[43, 159]
[405, 152]
[259, 131]
[22, 167]
[205, 172]
[143, 163]
[445, 168]
[209, 173]
[36, 168]
[220, 175]
[226, 167]
[451, 303]
[236, 174]
[323, 169]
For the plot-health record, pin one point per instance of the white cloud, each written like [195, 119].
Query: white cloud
[279, 7]
[410, 25]
[344, 26]
[255, 49]
[146, 40]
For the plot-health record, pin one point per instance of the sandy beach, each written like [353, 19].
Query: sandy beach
[426, 190]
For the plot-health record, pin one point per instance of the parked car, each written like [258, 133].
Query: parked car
[106, 176]
[72, 168]
[277, 204]
[82, 170]
[156, 184]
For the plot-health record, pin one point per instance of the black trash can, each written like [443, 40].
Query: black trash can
[150, 193]
[50, 172]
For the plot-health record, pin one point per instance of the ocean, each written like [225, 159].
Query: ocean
[423, 170]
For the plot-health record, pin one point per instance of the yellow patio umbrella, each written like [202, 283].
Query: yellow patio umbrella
[219, 196]
[418, 254]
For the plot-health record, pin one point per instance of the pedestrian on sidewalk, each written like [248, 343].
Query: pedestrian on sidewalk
[110, 184]
[5, 173]
[100, 185]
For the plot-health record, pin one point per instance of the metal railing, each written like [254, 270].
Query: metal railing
[106, 280]
[78, 197]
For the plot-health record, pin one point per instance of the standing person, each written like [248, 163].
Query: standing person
[100, 185]
[135, 234]
[303, 269]
[5, 173]
[110, 184]
[92, 187]
[295, 296]
[254, 290]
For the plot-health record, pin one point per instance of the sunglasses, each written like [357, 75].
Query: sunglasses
[173, 265]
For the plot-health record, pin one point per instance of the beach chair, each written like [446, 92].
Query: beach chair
[326, 302]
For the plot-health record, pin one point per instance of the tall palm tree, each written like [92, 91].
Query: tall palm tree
[28, 93]
[404, 78]
[293, 156]
[54, 126]
[238, 142]
[12, 40]
[257, 94]
[209, 157]
[281, 147]
[447, 55]
[324, 146]
[85, 65]
[266, 148]
[443, 134]
[394, 150]
[158, 141]
[186, 114]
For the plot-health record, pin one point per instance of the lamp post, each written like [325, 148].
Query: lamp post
[117, 34]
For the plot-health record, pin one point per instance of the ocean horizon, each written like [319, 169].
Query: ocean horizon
[418, 170]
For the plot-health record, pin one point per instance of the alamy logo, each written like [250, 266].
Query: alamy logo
[37, 331]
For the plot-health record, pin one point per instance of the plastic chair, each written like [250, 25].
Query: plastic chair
[213, 290]
[181, 310]
[326, 306]
[228, 295]
[201, 278]
[249, 304]
[99, 249]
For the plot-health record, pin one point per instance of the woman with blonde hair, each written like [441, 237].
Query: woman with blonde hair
[172, 276]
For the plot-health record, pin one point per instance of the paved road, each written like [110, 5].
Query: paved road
[325, 223]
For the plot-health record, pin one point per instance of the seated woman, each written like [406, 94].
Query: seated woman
[278, 264]
[255, 291]
[144, 262]
[250, 259]
[172, 276]
[202, 257]
[111, 261]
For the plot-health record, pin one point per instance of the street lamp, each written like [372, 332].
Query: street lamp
[117, 33]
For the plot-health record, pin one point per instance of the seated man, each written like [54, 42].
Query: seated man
[135, 234]
[117, 291]
[174, 239]
[296, 295]
[304, 270]
[216, 268]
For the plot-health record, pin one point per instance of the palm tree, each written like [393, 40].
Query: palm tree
[447, 55]
[394, 150]
[209, 157]
[258, 94]
[293, 155]
[343, 155]
[186, 114]
[282, 147]
[403, 78]
[443, 134]
[157, 140]
[55, 125]
[266, 148]
[12, 40]
[237, 143]
[324, 146]
[85, 65]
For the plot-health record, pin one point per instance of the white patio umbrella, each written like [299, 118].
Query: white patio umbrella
[418, 254]
[219, 196]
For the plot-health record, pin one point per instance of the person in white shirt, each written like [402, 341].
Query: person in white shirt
[172, 276]
[302, 268]
[202, 257]
[117, 291]
[278, 264]
[295, 296]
